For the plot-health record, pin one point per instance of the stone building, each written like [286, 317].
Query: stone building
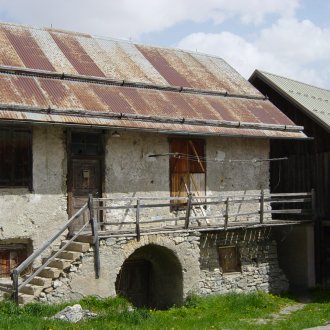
[174, 147]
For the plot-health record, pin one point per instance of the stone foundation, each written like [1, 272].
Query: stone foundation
[198, 266]
[259, 268]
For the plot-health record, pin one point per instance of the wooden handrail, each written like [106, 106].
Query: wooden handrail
[16, 272]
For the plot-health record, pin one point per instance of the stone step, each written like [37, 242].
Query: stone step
[60, 263]
[76, 246]
[50, 272]
[32, 289]
[69, 255]
[85, 238]
[42, 281]
[25, 298]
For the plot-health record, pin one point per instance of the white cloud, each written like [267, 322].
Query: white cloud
[289, 47]
[132, 18]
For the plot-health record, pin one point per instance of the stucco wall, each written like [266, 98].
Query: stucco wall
[37, 214]
[131, 173]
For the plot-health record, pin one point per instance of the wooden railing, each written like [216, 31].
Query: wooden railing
[227, 209]
[27, 263]
[227, 212]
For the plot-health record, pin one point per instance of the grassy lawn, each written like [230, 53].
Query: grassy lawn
[233, 311]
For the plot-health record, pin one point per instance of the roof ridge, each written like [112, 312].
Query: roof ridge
[109, 38]
[294, 80]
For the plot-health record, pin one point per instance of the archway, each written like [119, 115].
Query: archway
[151, 277]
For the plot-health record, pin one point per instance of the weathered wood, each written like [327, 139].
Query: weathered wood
[96, 242]
[137, 220]
[262, 196]
[227, 213]
[186, 225]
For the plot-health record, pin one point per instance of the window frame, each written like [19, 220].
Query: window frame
[14, 180]
[237, 264]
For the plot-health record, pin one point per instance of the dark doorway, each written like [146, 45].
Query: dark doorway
[85, 170]
[151, 277]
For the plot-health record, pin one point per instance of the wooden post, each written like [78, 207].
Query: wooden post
[14, 277]
[227, 213]
[137, 220]
[313, 205]
[95, 236]
[186, 225]
[262, 201]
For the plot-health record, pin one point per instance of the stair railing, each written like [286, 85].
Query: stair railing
[15, 274]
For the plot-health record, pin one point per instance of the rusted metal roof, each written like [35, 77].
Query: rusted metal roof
[72, 78]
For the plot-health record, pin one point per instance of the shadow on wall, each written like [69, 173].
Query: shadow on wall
[151, 277]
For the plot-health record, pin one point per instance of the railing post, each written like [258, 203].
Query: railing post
[227, 213]
[186, 225]
[137, 220]
[262, 202]
[14, 277]
[95, 236]
[313, 204]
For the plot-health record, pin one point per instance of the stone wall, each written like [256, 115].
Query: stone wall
[197, 255]
[258, 259]
[181, 249]
[38, 213]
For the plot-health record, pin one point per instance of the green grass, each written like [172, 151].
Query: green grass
[232, 311]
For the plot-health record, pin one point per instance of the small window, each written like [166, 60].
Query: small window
[10, 258]
[229, 259]
[86, 144]
[16, 157]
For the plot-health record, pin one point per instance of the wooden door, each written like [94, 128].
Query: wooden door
[86, 179]
[133, 282]
[86, 156]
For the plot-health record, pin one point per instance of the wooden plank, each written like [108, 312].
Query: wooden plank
[137, 220]
[197, 156]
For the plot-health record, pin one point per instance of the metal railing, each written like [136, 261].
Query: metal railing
[16, 273]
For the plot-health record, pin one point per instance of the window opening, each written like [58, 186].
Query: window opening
[229, 259]
[16, 157]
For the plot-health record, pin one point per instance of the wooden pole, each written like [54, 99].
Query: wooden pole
[262, 202]
[14, 277]
[227, 213]
[96, 242]
[186, 225]
[137, 220]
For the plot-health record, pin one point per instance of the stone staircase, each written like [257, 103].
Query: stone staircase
[55, 268]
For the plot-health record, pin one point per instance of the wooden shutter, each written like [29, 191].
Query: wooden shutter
[187, 167]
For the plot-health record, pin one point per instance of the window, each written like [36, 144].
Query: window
[229, 259]
[16, 157]
[187, 167]
[10, 257]
[86, 144]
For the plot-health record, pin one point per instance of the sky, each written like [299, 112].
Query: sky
[285, 37]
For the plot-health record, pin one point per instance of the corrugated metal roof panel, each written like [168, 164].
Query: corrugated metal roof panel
[92, 99]
[311, 99]
[60, 53]
[127, 124]
[69, 52]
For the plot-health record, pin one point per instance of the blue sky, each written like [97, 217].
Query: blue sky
[286, 37]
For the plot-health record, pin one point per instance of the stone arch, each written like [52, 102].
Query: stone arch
[151, 276]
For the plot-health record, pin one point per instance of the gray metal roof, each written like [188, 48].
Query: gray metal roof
[314, 101]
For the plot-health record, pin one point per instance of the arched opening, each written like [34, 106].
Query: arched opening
[151, 277]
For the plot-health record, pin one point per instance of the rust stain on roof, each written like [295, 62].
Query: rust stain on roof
[73, 99]
[28, 50]
[154, 56]
[77, 56]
